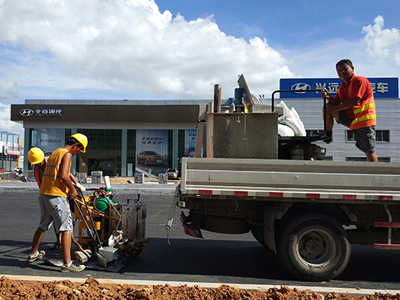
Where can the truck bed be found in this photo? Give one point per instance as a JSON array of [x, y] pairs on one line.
[[297, 180]]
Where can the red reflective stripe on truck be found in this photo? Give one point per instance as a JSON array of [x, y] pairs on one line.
[[349, 197], [205, 192], [241, 193], [387, 246], [385, 197], [309, 195], [275, 194], [387, 224]]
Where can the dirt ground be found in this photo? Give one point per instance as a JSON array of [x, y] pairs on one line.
[[93, 289]]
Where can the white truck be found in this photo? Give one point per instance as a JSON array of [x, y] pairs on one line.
[[308, 212]]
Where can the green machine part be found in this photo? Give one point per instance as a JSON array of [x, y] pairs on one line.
[[102, 204]]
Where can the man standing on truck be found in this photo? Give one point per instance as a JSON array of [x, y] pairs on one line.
[[353, 106], [53, 200]]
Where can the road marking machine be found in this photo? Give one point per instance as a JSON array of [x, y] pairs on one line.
[[110, 231]]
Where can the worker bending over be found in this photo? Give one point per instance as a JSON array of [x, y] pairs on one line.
[[53, 200]]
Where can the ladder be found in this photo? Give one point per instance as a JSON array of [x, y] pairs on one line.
[[389, 225]]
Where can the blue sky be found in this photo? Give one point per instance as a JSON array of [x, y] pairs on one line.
[[289, 24], [178, 49]]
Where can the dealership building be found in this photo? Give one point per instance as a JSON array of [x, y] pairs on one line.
[[129, 136], [123, 136]]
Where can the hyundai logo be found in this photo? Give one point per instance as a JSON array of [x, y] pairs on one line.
[[300, 88], [26, 112]]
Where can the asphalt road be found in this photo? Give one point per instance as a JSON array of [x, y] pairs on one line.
[[218, 258]]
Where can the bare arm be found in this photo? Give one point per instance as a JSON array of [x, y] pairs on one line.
[[73, 179], [345, 105]]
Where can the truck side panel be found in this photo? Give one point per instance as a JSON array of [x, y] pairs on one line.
[[348, 181]]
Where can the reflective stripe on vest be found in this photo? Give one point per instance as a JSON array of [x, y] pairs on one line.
[[52, 175], [364, 116]]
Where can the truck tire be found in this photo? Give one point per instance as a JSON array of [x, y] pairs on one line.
[[313, 247]]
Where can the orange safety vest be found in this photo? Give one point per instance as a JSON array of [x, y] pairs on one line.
[[37, 176], [52, 185], [364, 114], [39, 173]]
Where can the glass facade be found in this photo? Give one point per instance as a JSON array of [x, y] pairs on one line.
[[103, 152], [115, 151]]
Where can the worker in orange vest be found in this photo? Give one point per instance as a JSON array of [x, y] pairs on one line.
[[354, 107]]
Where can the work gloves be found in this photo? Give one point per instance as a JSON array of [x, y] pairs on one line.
[[79, 186]]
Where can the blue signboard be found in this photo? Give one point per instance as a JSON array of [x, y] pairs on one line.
[[382, 87]]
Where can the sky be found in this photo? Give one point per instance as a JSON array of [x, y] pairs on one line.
[[179, 49]]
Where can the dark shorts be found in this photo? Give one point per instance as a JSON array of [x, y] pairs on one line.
[[364, 137]]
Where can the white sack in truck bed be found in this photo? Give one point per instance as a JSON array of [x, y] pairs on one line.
[[291, 118]]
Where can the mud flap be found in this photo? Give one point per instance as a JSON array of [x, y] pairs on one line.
[[172, 210]]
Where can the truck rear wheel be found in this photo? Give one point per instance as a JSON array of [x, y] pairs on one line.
[[314, 247]]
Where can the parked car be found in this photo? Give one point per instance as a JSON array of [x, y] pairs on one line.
[[150, 158], [172, 173], [18, 171]]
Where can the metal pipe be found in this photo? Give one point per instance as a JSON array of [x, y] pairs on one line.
[[217, 98], [305, 91]]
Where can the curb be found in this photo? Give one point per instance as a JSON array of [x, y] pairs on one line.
[[207, 285]]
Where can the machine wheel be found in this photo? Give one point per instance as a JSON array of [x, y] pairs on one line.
[[133, 252], [313, 247]]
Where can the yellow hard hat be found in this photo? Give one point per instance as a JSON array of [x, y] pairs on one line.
[[81, 138], [35, 156]]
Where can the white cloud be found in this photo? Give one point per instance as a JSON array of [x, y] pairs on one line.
[[130, 50], [8, 92], [132, 46], [6, 124], [383, 43]]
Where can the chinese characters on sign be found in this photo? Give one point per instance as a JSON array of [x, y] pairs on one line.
[[332, 87], [51, 112], [152, 140], [48, 112], [381, 87]]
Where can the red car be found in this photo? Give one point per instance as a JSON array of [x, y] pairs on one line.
[[150, 158]]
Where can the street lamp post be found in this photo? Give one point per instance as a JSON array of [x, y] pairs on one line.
[[2, 152]]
